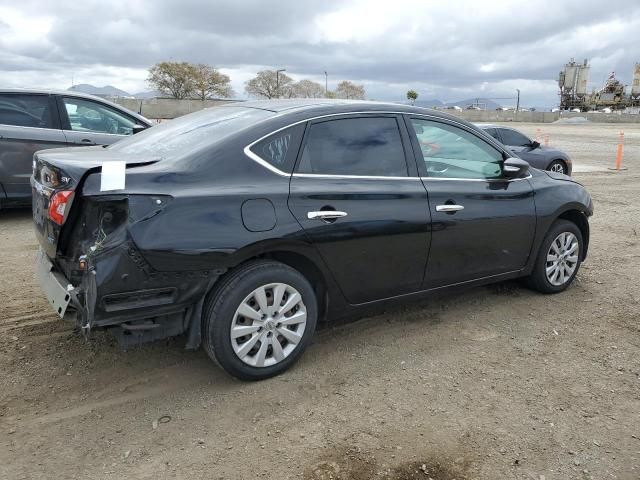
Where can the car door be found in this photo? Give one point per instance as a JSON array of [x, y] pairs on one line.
[[362, 206], [87, 122], [483, 223], [27, 124]]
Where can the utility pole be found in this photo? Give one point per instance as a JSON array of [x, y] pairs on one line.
[[278, 80], [326, 83], [518, 101]]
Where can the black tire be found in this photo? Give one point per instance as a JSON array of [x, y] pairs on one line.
[[538, 279], [223, 302], [556, 165]]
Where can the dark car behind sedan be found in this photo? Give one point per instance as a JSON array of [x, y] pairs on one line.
[[242, 226], [32, 120], [538, 156]]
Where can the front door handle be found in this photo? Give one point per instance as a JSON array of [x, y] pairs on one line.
[[449, 208], [86, 141], [325, 215]]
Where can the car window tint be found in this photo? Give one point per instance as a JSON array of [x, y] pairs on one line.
[[25, 110], [493, 132], [280, 149], [513, 138], [88, 116], [369, 146], [451, 152]]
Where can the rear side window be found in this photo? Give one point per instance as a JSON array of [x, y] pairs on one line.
[[281, 148], [24, 110], [365, 146]]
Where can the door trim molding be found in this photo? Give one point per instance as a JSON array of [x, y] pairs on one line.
[[256, 158]]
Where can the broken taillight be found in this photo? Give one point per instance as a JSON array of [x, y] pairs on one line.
[[59, 204]]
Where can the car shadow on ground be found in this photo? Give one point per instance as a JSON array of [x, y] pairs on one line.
[[15, 214]]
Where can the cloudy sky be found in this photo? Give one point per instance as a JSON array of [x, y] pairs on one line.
[[448, 50]]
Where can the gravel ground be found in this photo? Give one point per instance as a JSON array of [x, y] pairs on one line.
[[498, 382]]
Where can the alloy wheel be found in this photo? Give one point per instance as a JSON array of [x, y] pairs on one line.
[[562, 258], [557, 167], [268, 325]]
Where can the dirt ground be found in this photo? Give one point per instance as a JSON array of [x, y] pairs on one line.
[[498, 382]]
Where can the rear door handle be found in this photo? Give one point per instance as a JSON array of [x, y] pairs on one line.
[[449, 208], [326, 215]]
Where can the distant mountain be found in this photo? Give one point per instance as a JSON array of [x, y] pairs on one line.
[[429, 103], [482, 103], [106, 91], [149, 94]]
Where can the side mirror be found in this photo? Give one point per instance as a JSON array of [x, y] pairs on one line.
[[138, 128], [514, 168], [535, 144]]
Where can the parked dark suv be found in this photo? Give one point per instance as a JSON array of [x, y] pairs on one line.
[[243, 225], [32, 120]]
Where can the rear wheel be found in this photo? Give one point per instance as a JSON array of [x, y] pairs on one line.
[[558, 259], [558, 166], [260, 320]]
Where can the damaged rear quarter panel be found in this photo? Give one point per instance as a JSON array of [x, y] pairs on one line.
[[175, 243]]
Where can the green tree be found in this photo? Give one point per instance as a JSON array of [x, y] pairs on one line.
[[269, 84], [412, 95], [209, 82], [349, 90], [174, 79]]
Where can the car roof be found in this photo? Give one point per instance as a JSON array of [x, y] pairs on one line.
[[326, 106], [73, 93], [484, 126], [49, 91]]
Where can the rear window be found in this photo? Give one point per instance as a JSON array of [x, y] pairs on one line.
[[190, 134], [24, 110]]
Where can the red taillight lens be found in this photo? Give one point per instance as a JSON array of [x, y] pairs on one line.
[[59, 206]]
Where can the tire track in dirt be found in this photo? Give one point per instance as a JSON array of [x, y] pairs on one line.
[[170, 379]]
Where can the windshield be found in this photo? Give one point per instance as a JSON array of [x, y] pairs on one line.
[[191, 133]]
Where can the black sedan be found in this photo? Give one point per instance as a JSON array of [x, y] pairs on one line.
[[243, 226]]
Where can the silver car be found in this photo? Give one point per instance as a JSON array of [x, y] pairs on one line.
[[32, 120], [538, 156]]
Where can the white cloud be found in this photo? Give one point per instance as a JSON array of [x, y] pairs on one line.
[[449, 50]]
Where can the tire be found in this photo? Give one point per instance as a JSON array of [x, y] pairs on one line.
[[256, 355], [539, 279], [558, 166]]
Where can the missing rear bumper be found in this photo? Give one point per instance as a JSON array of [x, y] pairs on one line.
[[55, 287]]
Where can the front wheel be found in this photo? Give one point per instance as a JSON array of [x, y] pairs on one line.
[[558, 166], [260, 320], [558, 259]]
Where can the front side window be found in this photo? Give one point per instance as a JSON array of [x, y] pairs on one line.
[[88, 116], [451, 152], [281, 148], [364, 146], [513, 138], [23, 110]]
